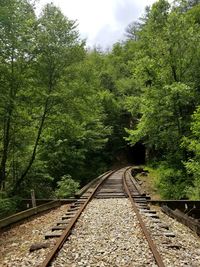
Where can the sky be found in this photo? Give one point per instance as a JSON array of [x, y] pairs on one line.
[[101, 22]]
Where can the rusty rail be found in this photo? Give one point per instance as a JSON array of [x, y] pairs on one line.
[[67, 231], [152, 246], [88, 185]]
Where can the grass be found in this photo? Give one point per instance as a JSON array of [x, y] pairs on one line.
[[150, 180]]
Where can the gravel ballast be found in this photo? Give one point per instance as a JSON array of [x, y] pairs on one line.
[[181, 250], [16, 242], [107, 234]]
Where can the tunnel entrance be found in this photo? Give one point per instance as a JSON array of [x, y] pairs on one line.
[[136, 154]]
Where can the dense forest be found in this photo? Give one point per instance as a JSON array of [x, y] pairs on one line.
[[68, 113]]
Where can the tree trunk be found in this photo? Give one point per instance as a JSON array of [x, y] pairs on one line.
[[6, 141], [21, 179], [7, 125], [174, 73], [41, 125]]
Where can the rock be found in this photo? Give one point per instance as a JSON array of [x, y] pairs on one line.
[[169, 234], [164, 226], [38, 246], [174, 246]]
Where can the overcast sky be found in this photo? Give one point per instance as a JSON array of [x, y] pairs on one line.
[[101, 22]]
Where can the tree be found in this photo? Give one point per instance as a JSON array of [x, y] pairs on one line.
[[58, 46], [164, 120], [191, 143], [17, 22], [76, 146], [166, 69], [132, 30], [167, 78]]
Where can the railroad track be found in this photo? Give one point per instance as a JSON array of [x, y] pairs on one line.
[[113, 184]]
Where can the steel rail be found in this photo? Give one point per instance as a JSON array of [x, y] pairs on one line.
[[67, 231], [151, 244]]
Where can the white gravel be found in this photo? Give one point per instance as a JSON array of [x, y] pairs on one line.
[[188, 253], [107, 234]]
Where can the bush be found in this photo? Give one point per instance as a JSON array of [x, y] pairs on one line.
[[37, 179], [8, 206], [66, 187], [171, 182], [193, 169]]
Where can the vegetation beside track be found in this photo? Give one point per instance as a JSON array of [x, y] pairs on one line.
[[69, 111], [156, 182], [149, 180]]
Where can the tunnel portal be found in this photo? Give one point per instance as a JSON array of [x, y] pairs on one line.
[[136, 154]]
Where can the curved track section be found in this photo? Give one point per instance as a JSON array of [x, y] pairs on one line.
[[134, 192], [113, 184], [112, 187]]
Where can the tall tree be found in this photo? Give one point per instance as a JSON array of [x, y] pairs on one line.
[[58, 46], [17, 22]]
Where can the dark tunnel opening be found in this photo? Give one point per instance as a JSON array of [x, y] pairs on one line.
[[136, 154]]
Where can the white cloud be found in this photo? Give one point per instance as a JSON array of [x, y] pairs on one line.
[[101, 21]]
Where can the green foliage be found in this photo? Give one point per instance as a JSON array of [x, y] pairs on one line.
[[8, 206], [163, 111], [193, 168], [64, 110], [192, 144], [51, 113], [171, 182], [167, 72], [67, 187], [168, 182]]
